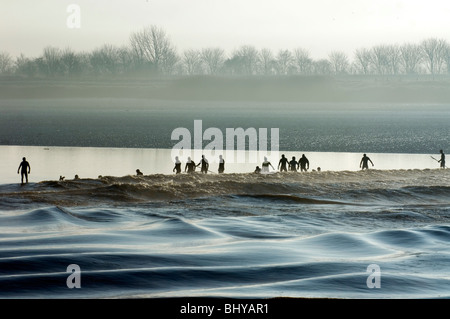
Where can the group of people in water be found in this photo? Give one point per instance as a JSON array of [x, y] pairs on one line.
[[294, 165], [283, 165], [191, 166]]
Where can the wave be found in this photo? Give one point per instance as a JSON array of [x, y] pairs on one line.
[[213, 263], [415, 187]]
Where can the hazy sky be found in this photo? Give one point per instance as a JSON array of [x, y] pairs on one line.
[[320, 26]]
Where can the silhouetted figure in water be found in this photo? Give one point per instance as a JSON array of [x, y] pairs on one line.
[[61, 178], [318, 169], [139, 173], [283, 161], [364, 164], [76, 177], [221, 164], [25, 169], [177, 167], [204, 165], [190, 166], [303, 163], [442, 160], [293, 164], [257, 170], [266, 164]]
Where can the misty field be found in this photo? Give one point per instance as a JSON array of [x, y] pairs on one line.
[[401, 89]]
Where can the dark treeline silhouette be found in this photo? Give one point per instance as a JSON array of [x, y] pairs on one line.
[[151, 52]]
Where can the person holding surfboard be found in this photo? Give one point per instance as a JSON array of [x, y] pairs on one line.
[[442, 160]]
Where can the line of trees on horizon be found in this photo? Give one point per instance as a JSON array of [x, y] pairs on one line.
[[151, 52]]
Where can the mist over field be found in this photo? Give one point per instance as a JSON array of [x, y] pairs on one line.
[[226, 88], [151, 66]]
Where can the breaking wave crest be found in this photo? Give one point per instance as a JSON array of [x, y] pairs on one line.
[[314, 188]]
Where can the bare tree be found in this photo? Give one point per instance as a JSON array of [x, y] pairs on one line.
[[152, 46], [339, 62], [192, 62], [302, 61], [249, 59], [411, 57], [393, 59], [25, 66], [284, 62], [170, 62], [322, 67], [125, 59], [362, 61], [72, 63], [380, 59], [233, 65], [267, 62], [51, 63], [213, 59], [447, 58], [6, 63], [434, 51], [105, 60]]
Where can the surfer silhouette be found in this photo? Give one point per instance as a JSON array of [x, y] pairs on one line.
[[257, 170], [177, 167], [364, 164], [139, 173], [221, 164], [303, 162], [190, 166], [204, 165], [25, 169], [283, 161], [293, 165], [266, 164], [442, 160]]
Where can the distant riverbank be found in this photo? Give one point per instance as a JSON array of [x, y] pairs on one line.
[[273, 89]]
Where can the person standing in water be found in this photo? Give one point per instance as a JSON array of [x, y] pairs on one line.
[[283, 161], [177, 167], [364, 164], [221, 164], [303, 162], [205, 165], [442, 160], [190, 166], [25, 169], [266, 164], [293, 165]]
